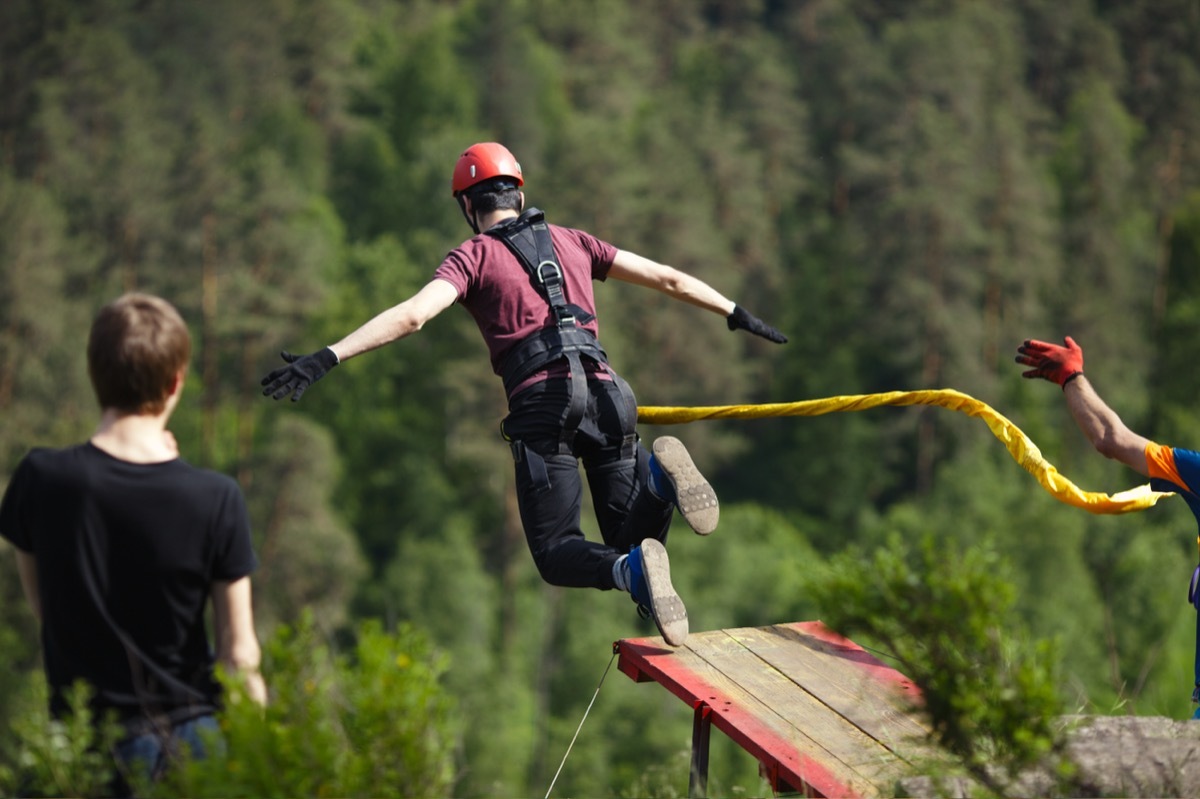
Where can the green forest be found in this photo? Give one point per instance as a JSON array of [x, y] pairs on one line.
[[906, 188]]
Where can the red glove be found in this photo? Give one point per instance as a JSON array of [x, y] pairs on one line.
[[1050, 361]]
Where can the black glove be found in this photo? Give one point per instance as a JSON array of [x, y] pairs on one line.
[[741, 318], [300, 373]]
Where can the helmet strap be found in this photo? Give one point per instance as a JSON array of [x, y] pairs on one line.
[[462, 204]]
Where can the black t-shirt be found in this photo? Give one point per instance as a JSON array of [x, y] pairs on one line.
[[126, 555]]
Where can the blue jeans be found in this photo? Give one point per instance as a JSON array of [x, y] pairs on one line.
[[148, 755]]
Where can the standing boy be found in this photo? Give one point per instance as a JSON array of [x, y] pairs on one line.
[[121, 544]]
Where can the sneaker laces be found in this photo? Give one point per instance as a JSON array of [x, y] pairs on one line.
[[644, 611]]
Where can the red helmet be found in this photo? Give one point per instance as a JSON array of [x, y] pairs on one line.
[[484, 161]]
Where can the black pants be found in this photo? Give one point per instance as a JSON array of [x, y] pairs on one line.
[[550, 491]]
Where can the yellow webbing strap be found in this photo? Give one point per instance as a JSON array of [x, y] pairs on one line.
[[1023, 450]]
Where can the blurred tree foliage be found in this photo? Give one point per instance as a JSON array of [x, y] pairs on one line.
[[907, 189]]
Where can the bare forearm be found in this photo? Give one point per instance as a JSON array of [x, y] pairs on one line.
[[1092, 415], [696, 292], [246, 662], [633, 268], [27, 571], [1103, 427], [398, 321], [392, 325], [237, 642]]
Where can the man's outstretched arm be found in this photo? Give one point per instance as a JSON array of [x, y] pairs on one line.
[[633, 268], [1063, 364], [398, 321], [391, 325], [1104, 428]]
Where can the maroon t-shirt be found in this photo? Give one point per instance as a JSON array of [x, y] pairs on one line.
[[496, 290]]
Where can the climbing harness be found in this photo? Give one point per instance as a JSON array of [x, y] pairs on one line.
[[528, 237], [1019, 445]]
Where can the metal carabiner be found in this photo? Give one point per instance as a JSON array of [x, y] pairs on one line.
[[557, 271]]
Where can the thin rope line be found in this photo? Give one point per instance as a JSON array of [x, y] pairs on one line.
[[881, 653], [581, 721]]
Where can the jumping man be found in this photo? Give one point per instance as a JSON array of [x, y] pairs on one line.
[[528, 285]]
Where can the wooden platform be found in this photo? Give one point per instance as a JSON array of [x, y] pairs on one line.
[[822, 716]]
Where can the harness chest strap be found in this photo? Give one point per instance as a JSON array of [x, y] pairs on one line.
[[528, 237]]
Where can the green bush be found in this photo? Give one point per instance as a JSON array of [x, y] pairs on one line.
[[373, 722], [946, 615], [376, 723], [61, 757]]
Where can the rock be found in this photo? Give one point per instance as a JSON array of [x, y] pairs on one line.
[[1113, 755]]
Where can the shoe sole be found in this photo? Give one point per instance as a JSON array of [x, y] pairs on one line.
[[695, 497], [665, 605]]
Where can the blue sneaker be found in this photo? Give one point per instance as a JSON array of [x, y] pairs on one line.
[[675, 479], [650, 585]]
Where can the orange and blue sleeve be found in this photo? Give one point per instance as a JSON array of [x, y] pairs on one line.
[[1160, 461], [1175, 469]]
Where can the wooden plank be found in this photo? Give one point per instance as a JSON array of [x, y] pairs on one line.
[[820, 713], [868, 693], [785, 705], [790, 757], [864, 660]]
